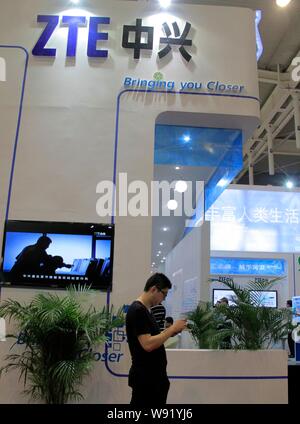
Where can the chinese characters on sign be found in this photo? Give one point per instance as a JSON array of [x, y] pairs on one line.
[[255, 215], [138, 45], [143, 36], [179, 40], [255, 220], [245, 266]]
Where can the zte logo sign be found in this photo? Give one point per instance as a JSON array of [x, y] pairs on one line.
[[2, 70], [72, 22]]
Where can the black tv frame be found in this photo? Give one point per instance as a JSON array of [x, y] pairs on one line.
[[57, 227]]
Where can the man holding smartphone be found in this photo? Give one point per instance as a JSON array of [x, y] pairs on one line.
[[148, 373]]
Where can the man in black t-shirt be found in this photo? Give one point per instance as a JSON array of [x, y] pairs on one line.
[[148, 373]]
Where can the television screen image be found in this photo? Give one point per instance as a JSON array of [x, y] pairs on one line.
[[57, 254], [267, 298], [218, 294]]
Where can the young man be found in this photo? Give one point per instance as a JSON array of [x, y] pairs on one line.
[[148, 373]]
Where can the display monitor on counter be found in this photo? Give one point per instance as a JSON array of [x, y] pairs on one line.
[[267, 298], [57, 254], [218, 294]]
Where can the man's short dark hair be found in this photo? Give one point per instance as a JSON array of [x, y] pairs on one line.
[[289, 303], [158, 280]]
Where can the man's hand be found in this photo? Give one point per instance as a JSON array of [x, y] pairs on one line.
[[178, 326], [150, 343]]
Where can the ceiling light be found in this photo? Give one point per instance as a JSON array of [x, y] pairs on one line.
[[165, 229], [159, 252], [282, 3], [162, 261], [181, 186], [165, 3], [289, 184], [223, 182], [172, 205], [186, 138], [177, 168], [259, 43], [161, 244], [75, 1]]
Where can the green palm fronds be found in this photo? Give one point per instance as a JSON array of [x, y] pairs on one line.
[[203, 326], [57, 334], [252, 326]]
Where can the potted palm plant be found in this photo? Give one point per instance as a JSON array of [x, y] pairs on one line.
[[203, 326], [57, 333], [252, 326]]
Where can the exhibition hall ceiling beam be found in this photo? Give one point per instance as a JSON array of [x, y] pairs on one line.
[[276, 113]]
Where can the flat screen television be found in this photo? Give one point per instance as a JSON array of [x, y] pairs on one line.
[[267, 298], [57, 254], [219, 293]]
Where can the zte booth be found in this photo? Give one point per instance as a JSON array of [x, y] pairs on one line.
[[122, 127]]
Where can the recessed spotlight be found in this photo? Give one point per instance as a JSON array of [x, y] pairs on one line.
[[164, 258], [181, 186], [172, 205], [161, 244], [159, 252], [177, 168], [289, 184], [282, 3], [162, 261], [165, 3], [186, 138], [165, 229]]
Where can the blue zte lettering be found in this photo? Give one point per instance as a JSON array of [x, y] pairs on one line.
[[39, 48], [94, 36], [73, 22]]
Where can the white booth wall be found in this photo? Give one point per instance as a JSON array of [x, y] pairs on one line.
[[76, 116], [75, 112]]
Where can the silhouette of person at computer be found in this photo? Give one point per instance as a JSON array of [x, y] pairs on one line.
[[53, 264], [32, 257]]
